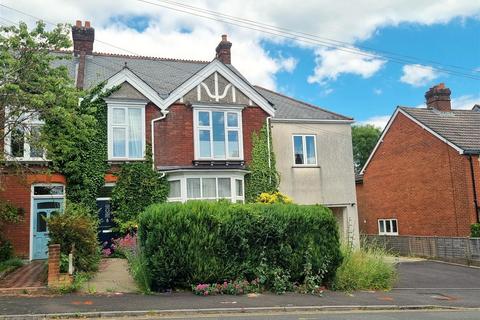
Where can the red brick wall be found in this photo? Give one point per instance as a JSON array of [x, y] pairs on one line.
[[17, 190], [419, 180], [174, 145]]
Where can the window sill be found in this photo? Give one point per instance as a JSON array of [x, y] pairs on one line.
[[305, 166], [32, 160], [125, 160]]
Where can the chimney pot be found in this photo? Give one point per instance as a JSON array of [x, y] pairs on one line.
[[87, 24], [223, 50], [438, 97], [83, 38], [78, 23]]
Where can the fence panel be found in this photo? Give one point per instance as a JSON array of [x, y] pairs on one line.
[[454, 249]]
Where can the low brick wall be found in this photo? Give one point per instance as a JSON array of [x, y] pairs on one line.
[[55, 278], [451, 249]]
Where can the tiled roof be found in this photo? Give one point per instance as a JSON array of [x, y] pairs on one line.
[[165, 75], [460, 127], [290, 108]]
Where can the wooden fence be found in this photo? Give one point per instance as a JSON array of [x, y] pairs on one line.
[[452, 249]]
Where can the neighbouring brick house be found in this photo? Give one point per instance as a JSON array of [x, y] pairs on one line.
[[199, 118], [423, 176]]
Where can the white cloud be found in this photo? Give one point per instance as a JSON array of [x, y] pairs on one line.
[[418, 75], [377, 121], [465, 102], [377, 91], [335, 20], [288, 64], [334, 62]]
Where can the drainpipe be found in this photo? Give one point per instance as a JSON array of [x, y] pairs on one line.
[[268, 147], [164, 114], [477, 210]]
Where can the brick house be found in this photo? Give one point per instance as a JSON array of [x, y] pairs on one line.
[[423, 176], [198, 117]]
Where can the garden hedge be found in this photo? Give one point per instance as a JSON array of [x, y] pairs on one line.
[[208, 242]]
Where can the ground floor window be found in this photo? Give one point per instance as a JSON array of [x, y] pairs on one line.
[[388, 227], [207, 186]]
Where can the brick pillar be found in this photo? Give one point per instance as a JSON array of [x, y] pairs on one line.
[[53, 264]]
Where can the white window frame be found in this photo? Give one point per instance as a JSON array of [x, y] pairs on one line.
[[125, 104], [304, 146], [197, 128], [208, 175], [385, 232], [30, 122]]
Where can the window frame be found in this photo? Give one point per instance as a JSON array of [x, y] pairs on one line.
[[304, 150], [197, 127], [31, 121], [385, 232], [126, 105], [184, 187]]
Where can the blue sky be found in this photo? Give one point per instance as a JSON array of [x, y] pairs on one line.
[[455, 43]]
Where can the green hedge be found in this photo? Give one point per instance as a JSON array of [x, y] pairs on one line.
[[208, 242], [475, 230]]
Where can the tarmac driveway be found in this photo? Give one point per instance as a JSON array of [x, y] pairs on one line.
[[437, 275]]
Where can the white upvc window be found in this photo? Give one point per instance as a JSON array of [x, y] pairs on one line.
[[388, 227], [22, 141], [126, 130], [218, 134], [304, 150], [206, 187]]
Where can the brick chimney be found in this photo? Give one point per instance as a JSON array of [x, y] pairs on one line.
[[83, 38], [223, 50], [438, 97]]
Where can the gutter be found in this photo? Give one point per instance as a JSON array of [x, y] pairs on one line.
[[472, 172], [312, 120], [164, 114]]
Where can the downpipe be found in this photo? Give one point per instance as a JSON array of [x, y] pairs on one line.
[[152, 127]]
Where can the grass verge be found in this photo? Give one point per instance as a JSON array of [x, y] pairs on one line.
[[365, 268]]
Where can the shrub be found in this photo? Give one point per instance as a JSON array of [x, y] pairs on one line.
[[213, 242], [364, 268], [475, 230], [273, 197], [10, 264], [6, 249], [76, 227]]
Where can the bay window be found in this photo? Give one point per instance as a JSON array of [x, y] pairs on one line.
[[304, 150], [126, 131], [218, 134]]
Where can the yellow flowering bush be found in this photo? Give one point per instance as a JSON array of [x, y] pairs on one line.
[[274, 197]]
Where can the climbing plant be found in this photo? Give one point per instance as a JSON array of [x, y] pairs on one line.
[[75, 137], [263, 176], [138, 186]]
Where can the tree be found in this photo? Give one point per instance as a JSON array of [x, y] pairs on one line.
[[30, 84], [364, 138]]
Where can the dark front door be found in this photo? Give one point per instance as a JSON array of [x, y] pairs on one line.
[[106, 226]]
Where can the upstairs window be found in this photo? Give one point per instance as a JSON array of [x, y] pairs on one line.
[[218, 135], [126, 132], [388, 227], [22, 141], [304, 150]]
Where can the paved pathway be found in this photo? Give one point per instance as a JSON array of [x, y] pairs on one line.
[[112, 276], [30, 277]]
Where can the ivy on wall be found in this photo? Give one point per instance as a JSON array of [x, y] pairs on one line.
[[262, 177], [75, 137], [137, 187]]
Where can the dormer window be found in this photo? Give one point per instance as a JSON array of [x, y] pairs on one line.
[[126, 130], [218, 134]]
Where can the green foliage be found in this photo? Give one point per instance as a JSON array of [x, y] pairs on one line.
[[364, 268], [6, 249], [10, 264], [30, 84], [475, 230], [9, 213], [137, 264], [262, 177], [75, 136], [138, 186], [210, 242], [76, 228], [364, 139]]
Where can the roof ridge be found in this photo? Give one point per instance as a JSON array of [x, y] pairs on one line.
[[306, 104], [108, 54]]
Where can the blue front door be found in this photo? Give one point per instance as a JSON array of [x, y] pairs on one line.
[[42, 210]]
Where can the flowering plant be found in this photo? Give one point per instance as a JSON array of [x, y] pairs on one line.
[[231, 287], [274, 197]]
